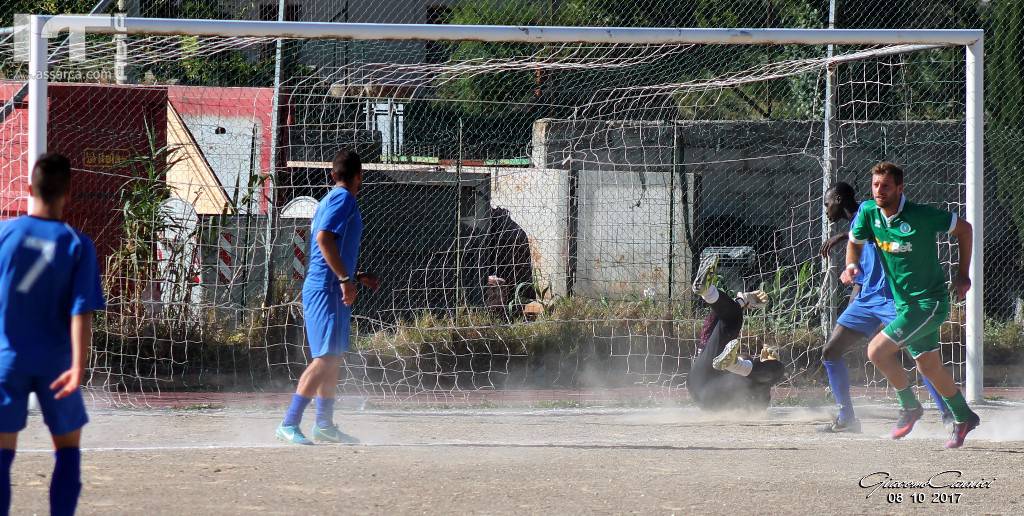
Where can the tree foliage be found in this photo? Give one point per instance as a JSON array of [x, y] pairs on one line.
[[1004, 68], [43, 7], [525, 89], [196, 68]]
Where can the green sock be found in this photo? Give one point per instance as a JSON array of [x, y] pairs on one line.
[[958, 405], [907, 398]]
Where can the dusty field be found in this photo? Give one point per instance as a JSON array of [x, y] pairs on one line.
[[558, 461]]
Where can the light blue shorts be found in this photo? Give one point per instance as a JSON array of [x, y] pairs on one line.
[[867, 316], [327, 319]]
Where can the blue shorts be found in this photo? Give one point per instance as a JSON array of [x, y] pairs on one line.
[[867, 316], [327, 320], [61, 416]]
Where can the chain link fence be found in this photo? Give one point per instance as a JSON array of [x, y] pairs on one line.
[[1003, 21]]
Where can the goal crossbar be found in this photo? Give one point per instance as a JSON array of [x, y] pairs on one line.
[[505, 33], [42, 27]]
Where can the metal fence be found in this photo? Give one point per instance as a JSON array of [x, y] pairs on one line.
[[1003, 21], [475, 181]]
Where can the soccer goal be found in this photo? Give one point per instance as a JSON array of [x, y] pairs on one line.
[[536, 199]]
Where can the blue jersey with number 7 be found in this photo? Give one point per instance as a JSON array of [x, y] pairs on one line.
[[48, 273]]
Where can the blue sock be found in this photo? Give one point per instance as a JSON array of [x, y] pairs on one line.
[[293, 416], [936, 397], [66, 483], [839, 382], [6, 459], [324, 412]]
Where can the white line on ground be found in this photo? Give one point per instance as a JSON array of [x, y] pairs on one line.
[[164, 448], [487, 444]]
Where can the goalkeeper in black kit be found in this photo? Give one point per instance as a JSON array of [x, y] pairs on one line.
[[721, 378]]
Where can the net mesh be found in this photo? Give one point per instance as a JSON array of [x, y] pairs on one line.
[[536, 212]]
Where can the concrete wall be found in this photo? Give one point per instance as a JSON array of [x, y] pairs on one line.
[[536, 199], [643, 187], [760, 172], [629, 228]]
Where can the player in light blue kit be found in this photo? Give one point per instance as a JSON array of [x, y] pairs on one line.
[[49, 288], [871, 307], [327, 296]]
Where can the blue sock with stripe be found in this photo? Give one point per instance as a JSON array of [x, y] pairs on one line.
[[940, 404], [293, 416], [66, 484], [839, 382], [6, 459]]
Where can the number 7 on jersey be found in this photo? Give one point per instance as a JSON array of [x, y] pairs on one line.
[[46, 250]]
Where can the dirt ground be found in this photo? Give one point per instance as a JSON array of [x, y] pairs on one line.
[[555, 461]]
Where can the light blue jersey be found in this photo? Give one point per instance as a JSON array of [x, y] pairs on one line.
[[48, 273], [339, 214], [327, 319]]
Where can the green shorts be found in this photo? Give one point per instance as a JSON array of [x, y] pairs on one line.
[[916, 327]]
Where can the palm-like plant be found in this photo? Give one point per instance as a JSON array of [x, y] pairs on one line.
[[133, 266]]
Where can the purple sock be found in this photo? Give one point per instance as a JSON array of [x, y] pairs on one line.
[[293, 416]]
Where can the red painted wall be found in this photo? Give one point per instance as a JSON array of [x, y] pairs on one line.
[[13, 149], [100, 126], [97, 127]]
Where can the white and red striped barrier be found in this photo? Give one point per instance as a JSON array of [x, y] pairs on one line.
[[225, 256]]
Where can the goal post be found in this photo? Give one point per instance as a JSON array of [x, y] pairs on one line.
[[975, 122], [898, 41]]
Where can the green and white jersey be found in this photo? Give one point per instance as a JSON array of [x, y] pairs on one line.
[[908, 247]]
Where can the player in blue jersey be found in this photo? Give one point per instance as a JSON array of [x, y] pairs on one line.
[[49, 288], [327, 296], [871, 307]]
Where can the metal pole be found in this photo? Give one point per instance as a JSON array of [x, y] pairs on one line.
[[275, 122], [572, 226], [458, 225], [37, 110], [828, 170], [391, 132], [121, 48], [37, 106], [348, 47], [672, 208], [976, 216]]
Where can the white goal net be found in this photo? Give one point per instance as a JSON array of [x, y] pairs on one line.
[[536, 211]]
